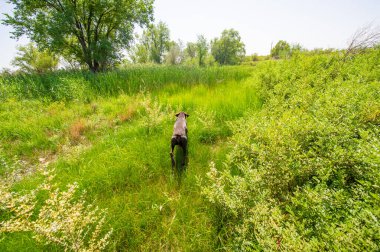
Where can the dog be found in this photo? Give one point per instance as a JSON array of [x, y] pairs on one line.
[[179, 136]]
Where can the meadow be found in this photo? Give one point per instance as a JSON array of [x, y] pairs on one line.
[[283, 155]]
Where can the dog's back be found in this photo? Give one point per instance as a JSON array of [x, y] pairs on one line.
[[180, 127]]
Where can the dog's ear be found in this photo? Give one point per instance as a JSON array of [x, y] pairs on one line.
[[177, 115], [187, 115]]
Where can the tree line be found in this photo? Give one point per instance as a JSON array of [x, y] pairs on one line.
[[154, 45], [95, 34]]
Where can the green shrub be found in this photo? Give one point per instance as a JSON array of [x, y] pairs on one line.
[[303, 173]]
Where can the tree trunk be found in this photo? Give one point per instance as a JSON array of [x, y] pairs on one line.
[[93, 67], [96, 66]]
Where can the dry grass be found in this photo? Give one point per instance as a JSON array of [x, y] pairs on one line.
[[76, 130], [128, 114]]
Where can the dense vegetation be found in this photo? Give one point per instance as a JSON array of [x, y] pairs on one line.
[[83, 85], [293, 147], [303, 172], [115, 144]]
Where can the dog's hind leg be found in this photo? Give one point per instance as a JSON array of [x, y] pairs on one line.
[[184, 148], [184, 156], [172, 155]]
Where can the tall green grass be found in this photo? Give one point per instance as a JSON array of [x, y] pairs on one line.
[[64, 85]]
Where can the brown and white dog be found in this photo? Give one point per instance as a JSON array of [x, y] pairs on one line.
[[179, 136]]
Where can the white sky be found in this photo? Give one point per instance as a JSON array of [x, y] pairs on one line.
[[317, 23]]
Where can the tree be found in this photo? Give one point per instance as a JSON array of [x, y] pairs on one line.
[[202, 50], [157, 39], [153, 44], [190, 53], [228, 49], [197, 53], [139, 54], [92, 31], [281, 50], [191, 50], [364, 38], [29, 59], [297, 48], [175, 54]]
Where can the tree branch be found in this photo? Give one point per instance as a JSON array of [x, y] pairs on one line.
[[363, 38]]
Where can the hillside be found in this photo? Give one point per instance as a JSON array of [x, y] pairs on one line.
[[293, 147]]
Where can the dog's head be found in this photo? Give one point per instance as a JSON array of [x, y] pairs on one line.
[[182, 115]]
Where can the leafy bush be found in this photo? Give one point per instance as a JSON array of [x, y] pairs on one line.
[[63, 219], [30, 59], [303, 173]]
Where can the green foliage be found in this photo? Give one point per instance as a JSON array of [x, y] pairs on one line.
[[139, 54], [303, 173], [197, 54], [191, 50], [29, 59], [228, 49], [254, 59], [202, 50], [281, 50], [175, 55], [155, 47], [92, 32], [153, 44], [296, 48], [131, 80]]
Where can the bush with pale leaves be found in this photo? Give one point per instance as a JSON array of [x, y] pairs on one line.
[[64, 218]]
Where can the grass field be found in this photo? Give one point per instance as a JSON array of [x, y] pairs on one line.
[[117, 149], [277, 132]]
